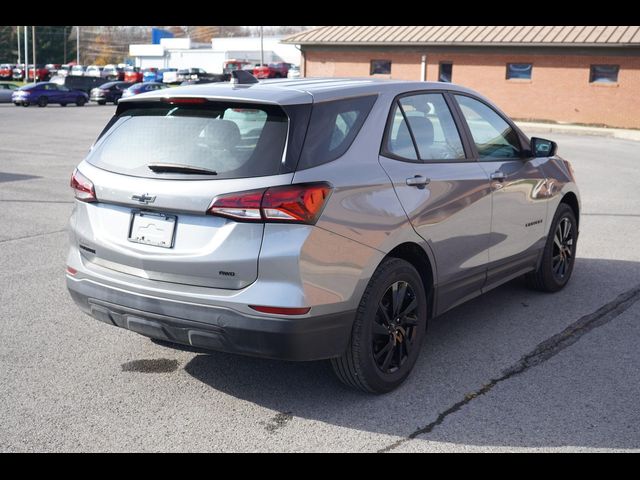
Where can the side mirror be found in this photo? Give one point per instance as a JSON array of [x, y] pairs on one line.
[[543, 148]]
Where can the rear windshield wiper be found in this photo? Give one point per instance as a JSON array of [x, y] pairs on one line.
[[175, 168]]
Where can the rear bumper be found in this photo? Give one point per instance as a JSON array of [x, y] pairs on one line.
[[215, 328]]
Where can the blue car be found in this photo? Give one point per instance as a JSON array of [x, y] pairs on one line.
[[44, 93], [142, 87], [155, 75]]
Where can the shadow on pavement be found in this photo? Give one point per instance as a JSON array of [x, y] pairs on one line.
[[465, 349]]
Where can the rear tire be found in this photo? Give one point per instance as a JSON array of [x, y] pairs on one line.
[[558, 257], [388, 330], [102, 102], [63, 104]]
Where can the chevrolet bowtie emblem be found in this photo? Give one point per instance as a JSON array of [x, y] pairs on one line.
[[144, 198]]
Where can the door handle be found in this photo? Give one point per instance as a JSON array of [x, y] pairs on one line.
[[499, 176], [418, 181]]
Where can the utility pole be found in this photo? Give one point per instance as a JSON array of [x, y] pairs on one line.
[[33, 44], [18, 38], [261, 46], [26, 57], [78, 45]]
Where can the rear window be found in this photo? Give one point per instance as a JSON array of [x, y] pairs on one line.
[[234, 140], [332, 129]]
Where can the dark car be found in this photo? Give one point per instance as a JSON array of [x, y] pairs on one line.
[[142, 87], [109, 92], [43, 93], [75, 82], [196, 74]]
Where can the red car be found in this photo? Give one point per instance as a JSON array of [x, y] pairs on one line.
[[42, 73], [133, 75], [273, 70], [6, 71]]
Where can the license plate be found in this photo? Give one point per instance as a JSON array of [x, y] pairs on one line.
[[155, 229]]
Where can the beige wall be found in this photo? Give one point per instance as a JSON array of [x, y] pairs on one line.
[[559, 89]]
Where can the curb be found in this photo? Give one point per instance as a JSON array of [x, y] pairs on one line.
[[618, 133]]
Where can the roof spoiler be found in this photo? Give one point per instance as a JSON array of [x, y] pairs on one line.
[[242, 77]]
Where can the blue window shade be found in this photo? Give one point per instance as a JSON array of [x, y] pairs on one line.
[[519, 71]]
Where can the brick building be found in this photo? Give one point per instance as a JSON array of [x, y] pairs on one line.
[[577, 74]]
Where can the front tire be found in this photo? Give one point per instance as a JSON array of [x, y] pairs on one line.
[[559, 253], [388, 330]]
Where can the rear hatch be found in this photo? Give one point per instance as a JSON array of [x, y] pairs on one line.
[[155, 173]]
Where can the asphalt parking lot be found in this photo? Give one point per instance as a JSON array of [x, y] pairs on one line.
[[512, 370]]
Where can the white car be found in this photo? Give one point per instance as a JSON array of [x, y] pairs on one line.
[[77, 71], [93, 71], [294, 72]]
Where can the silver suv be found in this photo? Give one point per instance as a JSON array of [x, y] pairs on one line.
[[313, 219]]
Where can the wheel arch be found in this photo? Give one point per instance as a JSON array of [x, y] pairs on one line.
[[571, 199], [418, 257]]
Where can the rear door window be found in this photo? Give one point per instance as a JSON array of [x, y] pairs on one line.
[[233, 140]]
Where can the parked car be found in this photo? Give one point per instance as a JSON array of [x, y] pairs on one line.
[[6, 71], [132, 74], [6, 92], [44, 93], [305, 221], [63, 71], [113, 72], [53, 68], [196, 74], [18, 73], [294, 72], [142, 87], [149, 74], [109, 92], [272, 70], [42, 74], [84, 84], [93, 71], [161, 72], [77, 71]]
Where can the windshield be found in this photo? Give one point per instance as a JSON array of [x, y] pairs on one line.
[[234, 140]]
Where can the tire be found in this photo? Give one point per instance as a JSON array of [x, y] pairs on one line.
[[16, 104], [25, 104], [370, 362], [102, 102], [80, 101], [63, 104], [558, 257], [43, 102]]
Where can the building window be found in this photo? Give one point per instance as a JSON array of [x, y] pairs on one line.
[[446, 72], [604, 73], [520, 71], [380, 67]]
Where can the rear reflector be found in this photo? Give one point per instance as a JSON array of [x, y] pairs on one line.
[[301, 203], [82, 187], [281, 310], [71, 270]]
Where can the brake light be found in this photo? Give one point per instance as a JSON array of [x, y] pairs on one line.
[[71, 271], [281, 310], [82, 187], [302, 203], [185, 100]]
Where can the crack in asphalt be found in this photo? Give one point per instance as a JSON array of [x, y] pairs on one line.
[[32, 236], [538, 355]]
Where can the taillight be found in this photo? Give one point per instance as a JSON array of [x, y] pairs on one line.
[[82, 187], [281, 310], [302, 203]]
